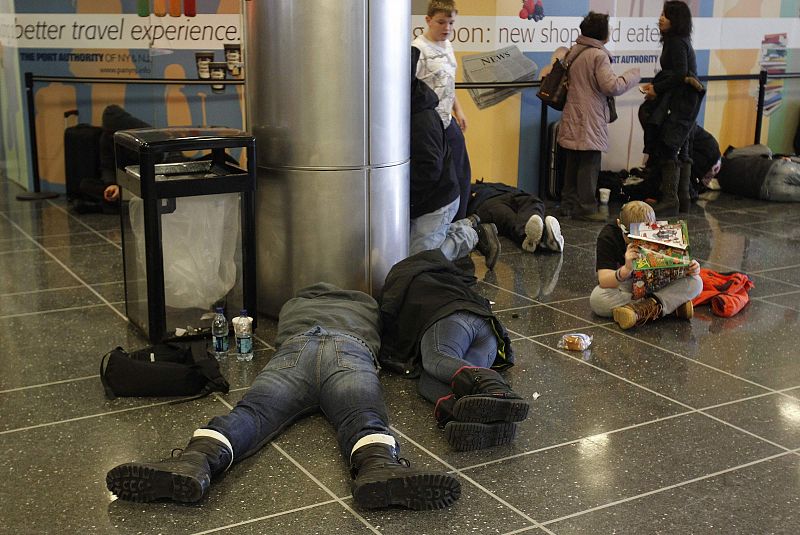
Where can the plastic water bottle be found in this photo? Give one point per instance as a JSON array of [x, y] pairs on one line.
[[219, 334], [243, 327]]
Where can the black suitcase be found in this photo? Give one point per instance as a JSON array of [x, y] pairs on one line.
[[555, 162], [81, 154]]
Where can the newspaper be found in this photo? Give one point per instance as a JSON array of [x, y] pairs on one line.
[[663, 255], [503, 65]]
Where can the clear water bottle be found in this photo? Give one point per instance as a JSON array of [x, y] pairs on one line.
[[243, 327], [219, 334]]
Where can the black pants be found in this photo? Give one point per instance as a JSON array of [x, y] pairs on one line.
[[458, 149], [581, 169], [509, 212]]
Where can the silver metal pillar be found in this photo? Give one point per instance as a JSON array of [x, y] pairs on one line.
[[328, 102]]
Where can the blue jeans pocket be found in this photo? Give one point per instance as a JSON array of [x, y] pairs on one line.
[[353, 355], [288, 354]]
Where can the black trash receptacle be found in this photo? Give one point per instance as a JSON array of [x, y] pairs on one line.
[[188, 226]]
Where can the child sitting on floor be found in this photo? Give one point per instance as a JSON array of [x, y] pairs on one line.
[[613, 295]]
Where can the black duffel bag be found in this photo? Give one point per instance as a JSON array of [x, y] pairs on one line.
[[168, 369]]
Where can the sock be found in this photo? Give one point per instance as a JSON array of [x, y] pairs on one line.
[[374, 438], [219, 437]]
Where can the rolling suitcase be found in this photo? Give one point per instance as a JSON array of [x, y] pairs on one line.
[[81, 153], [555, 162]]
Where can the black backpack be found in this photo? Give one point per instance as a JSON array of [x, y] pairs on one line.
[[168, 369]]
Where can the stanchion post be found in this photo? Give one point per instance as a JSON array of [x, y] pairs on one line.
[[36, 194]]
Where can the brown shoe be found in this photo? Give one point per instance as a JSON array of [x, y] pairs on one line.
[[685, 311], [637, 313]]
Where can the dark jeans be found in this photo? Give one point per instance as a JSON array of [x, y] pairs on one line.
[[460, 339], [319, 370], [458, 149], [581, 169], [510, 212]]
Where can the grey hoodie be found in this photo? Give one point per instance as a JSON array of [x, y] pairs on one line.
[[334, 309]]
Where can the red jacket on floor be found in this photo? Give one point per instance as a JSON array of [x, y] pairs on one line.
[[726, 291]]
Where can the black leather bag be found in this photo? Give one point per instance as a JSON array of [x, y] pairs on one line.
[[169, 369], [554, 87], [612, 109]]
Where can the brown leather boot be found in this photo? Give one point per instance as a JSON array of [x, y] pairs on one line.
[[637, 313]]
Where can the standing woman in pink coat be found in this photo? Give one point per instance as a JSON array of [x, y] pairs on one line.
[[583, 133]]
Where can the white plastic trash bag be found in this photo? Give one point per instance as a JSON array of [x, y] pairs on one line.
[[199, 243]]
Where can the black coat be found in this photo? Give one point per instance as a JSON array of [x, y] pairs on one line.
[[433, 178], [668, 119], [419, 291]]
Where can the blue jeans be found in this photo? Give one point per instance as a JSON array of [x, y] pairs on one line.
[[434, 230], [319, 370], [458, 340], [782, 183]]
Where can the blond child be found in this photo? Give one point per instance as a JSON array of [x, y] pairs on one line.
[[613, 296]]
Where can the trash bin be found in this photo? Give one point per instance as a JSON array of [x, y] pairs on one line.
[[188, 231]]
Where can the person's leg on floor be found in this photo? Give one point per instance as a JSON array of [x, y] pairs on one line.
[[782, 183], [501, 211], [460, 349], [429, 231], [351, 398], [435, 231], [603, 301], [282, 393]]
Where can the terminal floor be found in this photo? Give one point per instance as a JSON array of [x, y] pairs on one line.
[[676, 427]]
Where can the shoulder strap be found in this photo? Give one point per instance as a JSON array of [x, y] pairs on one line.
[[581, 51]]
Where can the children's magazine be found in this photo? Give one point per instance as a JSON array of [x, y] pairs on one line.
[[663, 255]]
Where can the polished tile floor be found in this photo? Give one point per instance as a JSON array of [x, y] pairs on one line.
[[673, 428]]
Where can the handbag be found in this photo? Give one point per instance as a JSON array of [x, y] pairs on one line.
[[554, 86], [168, 369], [612, 109]]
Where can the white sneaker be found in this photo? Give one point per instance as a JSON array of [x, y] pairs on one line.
[[553, 239], [533, 233]]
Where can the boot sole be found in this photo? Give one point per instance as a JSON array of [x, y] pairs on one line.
[[142, 483], [414, 491], [474, 436], [485, 409]]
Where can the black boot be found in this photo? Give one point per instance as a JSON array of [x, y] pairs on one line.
[[668, 205], [381, 479], [684, 195], [488, 240], [482, 395], [185, 478], [471, 436]]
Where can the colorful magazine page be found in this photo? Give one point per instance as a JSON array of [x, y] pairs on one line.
[[670, 234], [663, 255]]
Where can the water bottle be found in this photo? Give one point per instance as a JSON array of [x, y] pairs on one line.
[[243, 327], [219, 334]]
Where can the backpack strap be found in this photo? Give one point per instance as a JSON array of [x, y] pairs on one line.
[[103, 364]]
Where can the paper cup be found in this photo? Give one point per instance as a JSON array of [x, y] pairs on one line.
[[605, 194], [217, 69], [203, 59]]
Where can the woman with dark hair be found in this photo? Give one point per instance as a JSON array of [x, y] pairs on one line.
[[583, 134], [671, 105]]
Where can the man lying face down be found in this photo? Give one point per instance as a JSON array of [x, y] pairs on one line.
[[328, 340]]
